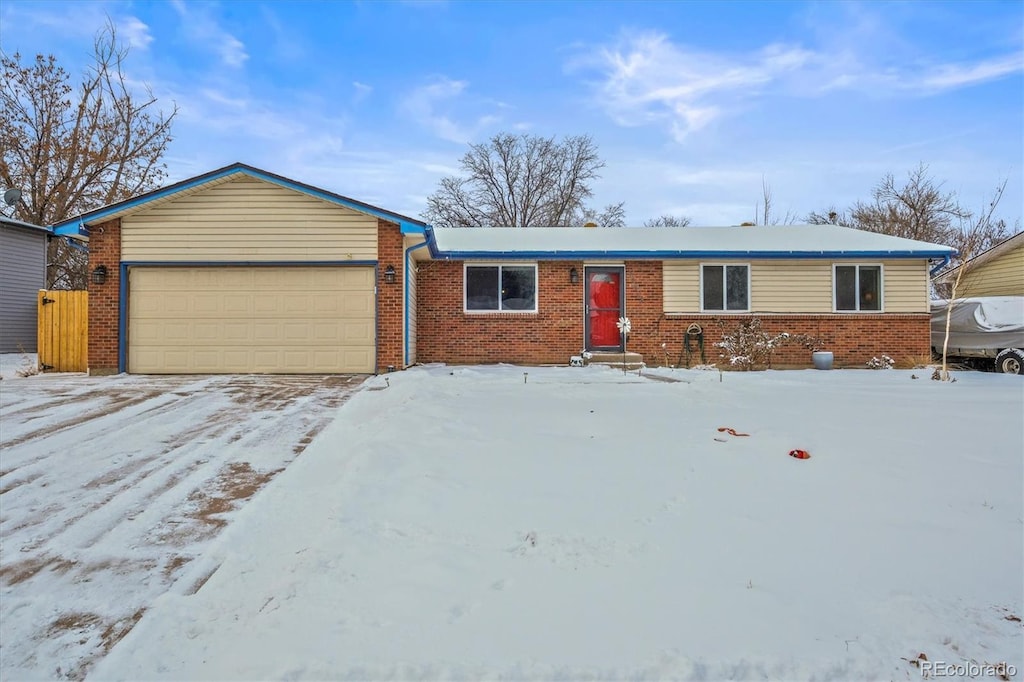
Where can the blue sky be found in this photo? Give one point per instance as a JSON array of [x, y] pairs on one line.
[[692, 104]]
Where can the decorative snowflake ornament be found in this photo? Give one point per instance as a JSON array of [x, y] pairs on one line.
[[624, 325]]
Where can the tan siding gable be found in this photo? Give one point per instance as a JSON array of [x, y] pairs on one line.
[[1002, 276], [798, 286], [247, 219]]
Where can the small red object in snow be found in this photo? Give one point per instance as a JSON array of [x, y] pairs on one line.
[[731, 432], [800, 454]]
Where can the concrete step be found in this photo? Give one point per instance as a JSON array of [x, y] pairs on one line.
[[631, 360]]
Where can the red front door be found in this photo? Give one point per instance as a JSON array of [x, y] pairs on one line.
[[604, 308]]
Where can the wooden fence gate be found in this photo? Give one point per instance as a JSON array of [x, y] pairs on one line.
[[63, 332]]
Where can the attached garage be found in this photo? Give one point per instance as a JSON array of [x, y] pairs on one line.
[[243, 271], [291, 320]]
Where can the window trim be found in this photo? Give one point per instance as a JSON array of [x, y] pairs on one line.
[[500, 265], [881, 288], [725, 290]]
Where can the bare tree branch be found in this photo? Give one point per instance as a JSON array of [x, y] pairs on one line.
[[71, 150], [668, 221], [522, 180]]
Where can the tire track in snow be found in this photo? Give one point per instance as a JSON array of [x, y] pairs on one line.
[[96, 490]]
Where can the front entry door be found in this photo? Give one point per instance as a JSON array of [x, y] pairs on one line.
[[604, 306]]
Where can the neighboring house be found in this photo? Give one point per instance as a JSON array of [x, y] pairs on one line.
[[22, 275], [240, 270], [998, 271]]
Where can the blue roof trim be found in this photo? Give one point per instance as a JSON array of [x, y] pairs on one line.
[[407, 225], [669, 255]]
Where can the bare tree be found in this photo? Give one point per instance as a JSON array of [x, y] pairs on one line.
[[613, 215], [667, 220], [975, 238], [520, 181], [920, 209], [71, 150], [830, 216], [764, 212]]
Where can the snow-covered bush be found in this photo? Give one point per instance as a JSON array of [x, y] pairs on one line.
[[885, 362], [749, 344]]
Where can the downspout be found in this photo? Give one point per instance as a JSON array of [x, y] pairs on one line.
[[405, 283], [944, 263]]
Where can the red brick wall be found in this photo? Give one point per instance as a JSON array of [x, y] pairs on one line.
[[853, 338], [389, 297], [446, 334], [104, 249]]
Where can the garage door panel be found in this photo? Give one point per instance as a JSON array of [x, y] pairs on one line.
[[238, 320]]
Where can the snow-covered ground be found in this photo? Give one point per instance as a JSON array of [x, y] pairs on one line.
[[521, 523], [112, 487], [12, 363]]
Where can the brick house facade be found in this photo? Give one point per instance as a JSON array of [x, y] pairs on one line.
[[556, 331], [380, 317]]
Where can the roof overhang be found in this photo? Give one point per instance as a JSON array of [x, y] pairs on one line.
[[1000, 249], [11, 222]]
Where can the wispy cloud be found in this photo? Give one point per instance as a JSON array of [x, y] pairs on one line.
[[432, 106], [203, 29], [362, 91], [948, 76], [135, 31], [646, 78]]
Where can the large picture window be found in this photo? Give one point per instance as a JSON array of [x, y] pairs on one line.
[[498, 288], [725, 288], [858, 288]]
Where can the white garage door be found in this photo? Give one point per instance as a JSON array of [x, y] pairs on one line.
[[224, 320]]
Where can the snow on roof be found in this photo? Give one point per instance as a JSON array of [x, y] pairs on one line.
[[794, 241]]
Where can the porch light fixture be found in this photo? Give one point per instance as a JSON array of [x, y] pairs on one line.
[[99, 274], [574, 276], [389, 274]]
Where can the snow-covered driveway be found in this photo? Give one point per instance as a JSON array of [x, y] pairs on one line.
[[111, 486], [555, 523]]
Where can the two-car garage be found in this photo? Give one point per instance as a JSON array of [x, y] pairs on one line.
[[241, 319], [242, 271]]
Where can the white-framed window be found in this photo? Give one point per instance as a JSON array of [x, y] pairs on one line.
[[857, 288], [725, 287], [495, 288]]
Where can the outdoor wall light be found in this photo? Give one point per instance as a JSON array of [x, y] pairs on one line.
[[389, 274], [574, 276], [99, 274]]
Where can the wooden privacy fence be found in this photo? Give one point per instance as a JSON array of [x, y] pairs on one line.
[[63, 332]]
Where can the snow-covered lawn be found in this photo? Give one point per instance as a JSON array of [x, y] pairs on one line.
[[519, 523], [111, 487]]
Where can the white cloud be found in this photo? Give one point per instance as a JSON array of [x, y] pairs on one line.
[[203, 30], [646, 78], [362, 91], [136, 32], [948, 76], [432, 107]]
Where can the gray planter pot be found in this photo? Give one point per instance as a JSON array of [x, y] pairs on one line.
[[822, 359]]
